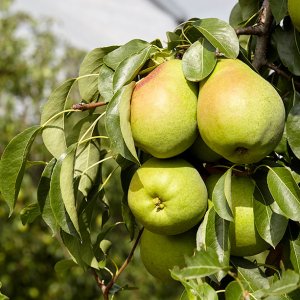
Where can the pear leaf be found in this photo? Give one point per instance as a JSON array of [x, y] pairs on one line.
[[270, 225], [199, 60], [285, 191], [88, 73], [294, 241], [105, 82], [279, 9], [52, 120], [293, 128], [221, 196], [233, 291], [129, 68], [13, 163], [113, 124], [220, 34], [114, 58], [203, 263], [43, 197]]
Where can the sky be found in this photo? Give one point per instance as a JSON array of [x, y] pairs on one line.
[[88, 24]]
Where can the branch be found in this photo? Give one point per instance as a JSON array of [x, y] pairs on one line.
[[106, 288], [266, 19], [85, 106]]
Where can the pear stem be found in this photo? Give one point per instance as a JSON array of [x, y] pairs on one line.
[[86, 106]]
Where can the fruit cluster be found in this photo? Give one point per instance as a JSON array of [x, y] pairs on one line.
[[233, 115]]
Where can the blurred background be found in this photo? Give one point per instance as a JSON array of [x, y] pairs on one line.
[[43, 43]]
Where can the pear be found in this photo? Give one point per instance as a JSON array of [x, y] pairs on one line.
[[240, 115], [164, 111], [294, 12]]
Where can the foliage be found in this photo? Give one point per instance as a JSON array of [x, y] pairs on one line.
[[74, 195]]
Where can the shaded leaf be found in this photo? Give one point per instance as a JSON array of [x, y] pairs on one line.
[[221, 196], [53, 133], [114, 58], [285, 191], [88, 86], [62, 267], [13, 163], [29, 213], [113, 123], [199, 60], [248, 8], [279, 9], [293, 129], [129, 68], [43, 197], [294, 243], [220, 34], [288, 48]]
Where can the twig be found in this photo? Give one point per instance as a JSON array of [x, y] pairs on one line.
[[106, 288], [86, 106], [266, 19]]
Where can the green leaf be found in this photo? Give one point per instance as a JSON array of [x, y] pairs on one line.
[[56, 199], [113, 123], [43, 197], [270, 225], [293, 129], [114, 58], [220, 34], [29, 213], [279, 9], [2, 297], [199, 60], [129, 68], [67, 187], [203, 263], [288, 48], [173, 40], [216, 237], [233, 291], [294, 243], [53, 133], [288, 282], [221, 196], [62, 267], [89, 69], [248, 8], [105, 82], [285, 191], [13, 163]]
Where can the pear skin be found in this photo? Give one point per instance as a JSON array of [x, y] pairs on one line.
[[164, 111], [240, 115], [294, 12]]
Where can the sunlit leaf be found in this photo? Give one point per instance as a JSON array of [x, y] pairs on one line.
[[233, 291], [114, 58], [221, 196], [293, 129], [44, 198], [129, 68], [270, 225], [113, 124], [220, 34], [53, 133], [13, 163], [89, 69], [67, 186], [285, 191], [105, 83], [203, 263], [199, 60]]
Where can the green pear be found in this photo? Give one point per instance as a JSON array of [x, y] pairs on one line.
[[167, 196], [160, 253], [164, 111], [243, 235], [294, 12], [240, 115]]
